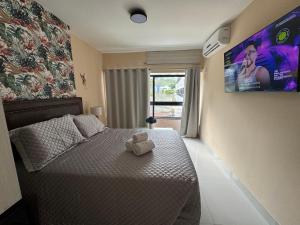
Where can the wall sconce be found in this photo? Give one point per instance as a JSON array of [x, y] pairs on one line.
[[83, 78], [97, 111]]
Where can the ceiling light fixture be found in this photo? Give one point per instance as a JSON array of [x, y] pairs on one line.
[[138, 15]]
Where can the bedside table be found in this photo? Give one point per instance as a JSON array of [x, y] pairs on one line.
[[16, 215]]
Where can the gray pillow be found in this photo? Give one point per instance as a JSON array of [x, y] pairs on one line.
[[40, 143], [88, 125]]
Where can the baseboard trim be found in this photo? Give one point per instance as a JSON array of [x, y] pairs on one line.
[[259, 207]]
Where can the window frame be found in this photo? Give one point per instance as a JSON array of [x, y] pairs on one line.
[[154, 103]]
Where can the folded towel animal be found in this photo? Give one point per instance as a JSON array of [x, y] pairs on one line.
[[141, 148], [139, 137]]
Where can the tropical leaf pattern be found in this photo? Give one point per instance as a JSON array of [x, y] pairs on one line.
[[35, 53]]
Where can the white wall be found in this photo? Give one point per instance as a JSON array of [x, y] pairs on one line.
[[9, 185], [256, 134]]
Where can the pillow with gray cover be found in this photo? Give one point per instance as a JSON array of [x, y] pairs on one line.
[[88, 125], [40, 143]]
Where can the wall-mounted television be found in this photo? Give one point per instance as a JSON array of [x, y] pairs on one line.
[[268, 60]]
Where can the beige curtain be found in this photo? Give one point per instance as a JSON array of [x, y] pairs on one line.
[[190, 112], [127, 97]]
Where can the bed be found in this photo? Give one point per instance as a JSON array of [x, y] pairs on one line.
[[98, 182]]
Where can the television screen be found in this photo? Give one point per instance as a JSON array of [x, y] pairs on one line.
[[268, 60]]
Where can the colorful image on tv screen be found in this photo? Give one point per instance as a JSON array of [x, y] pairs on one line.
[[268, 60]]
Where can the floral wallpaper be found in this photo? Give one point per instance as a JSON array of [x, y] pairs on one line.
[[35, 53]]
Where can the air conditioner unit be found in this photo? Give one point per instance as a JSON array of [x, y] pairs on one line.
[[217, 41]]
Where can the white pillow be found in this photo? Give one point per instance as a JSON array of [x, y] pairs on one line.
[[88, 125]]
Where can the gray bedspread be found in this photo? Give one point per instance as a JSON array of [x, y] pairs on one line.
[[98, 183]]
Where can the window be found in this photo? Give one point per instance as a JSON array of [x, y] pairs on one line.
[[166, 95]]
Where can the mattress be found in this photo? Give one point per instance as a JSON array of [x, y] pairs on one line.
[[99, 183]]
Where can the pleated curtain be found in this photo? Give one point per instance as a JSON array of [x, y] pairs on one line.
[[127, 97], [190, 112]]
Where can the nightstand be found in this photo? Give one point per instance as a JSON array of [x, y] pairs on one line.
[[16, 215]]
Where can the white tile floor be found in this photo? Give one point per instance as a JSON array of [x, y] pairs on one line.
[[222, 202]]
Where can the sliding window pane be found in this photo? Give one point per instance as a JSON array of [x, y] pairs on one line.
[[167, 111], [169, 89]]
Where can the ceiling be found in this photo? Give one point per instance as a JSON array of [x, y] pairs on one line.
[[171, 25]]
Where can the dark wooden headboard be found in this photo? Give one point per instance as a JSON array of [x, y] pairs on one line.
[[22, 113]]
